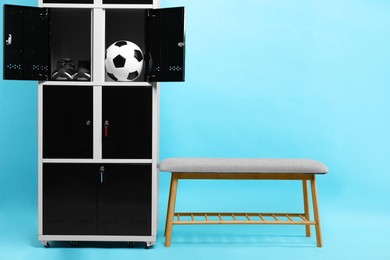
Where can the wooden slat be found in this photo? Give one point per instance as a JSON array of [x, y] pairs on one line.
[[242, 214], [261, 217], [249, 220], [189, 222]]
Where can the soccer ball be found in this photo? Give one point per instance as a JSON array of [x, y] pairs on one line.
[[124, 61]]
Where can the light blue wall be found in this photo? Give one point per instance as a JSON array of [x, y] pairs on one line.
[[264, 78], [287, 79]]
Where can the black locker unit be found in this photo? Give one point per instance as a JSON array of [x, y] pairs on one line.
[[98, 139]]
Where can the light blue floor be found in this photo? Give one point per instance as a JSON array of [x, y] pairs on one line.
[[349, 232]]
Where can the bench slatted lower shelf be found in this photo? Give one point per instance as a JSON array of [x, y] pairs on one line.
[[202, 218]]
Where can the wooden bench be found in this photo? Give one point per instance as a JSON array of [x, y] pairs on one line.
[[304, 170]]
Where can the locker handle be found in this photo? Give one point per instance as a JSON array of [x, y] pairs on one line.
[[9, 40], [106, 124]]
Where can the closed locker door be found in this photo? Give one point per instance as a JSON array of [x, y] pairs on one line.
[[127, 122], [69, 199], [67, 122], [124, 199]]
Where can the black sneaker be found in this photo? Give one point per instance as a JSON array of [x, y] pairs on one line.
[[64, 70], [83, 71]]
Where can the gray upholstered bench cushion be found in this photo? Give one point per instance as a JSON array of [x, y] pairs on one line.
[[236, 165]]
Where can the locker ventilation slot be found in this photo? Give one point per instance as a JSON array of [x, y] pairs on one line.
[[56, 221], [138, 222], [154, 69], [175, 68], [14, 66], [85, 221], [40, 67], [110, 222]]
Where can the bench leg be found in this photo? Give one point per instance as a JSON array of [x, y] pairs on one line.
[[306, 206], [316, 211], [171, 210]]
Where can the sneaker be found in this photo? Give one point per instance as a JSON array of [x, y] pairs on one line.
[[83, 71], [64, 70]]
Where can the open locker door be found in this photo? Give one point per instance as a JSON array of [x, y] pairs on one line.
[[165, 44], [26, 43]]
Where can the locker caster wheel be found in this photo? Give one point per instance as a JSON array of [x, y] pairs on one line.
[[148, 245], [46, 244], [131, 244], [73, 243]]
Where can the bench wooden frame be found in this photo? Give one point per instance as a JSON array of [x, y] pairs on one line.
[[191, 218]]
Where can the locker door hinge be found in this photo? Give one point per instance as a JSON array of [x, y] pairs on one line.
[[151, 78]]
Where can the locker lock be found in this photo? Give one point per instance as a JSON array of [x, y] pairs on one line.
[[106, 124], [180, 44], [101, 171]]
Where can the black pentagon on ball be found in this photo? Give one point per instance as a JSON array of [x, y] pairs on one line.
[[119, 61], [112, 76], [132, 75], [138, 55], [120, 43]]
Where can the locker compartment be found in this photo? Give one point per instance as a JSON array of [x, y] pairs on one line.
[[69, 199], [127, 122], [37, 38], [70, 39], [67, 121], [126, 25], [159, 34], [97, 199]]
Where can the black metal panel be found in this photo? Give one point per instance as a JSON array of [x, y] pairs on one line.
[[70, 199], [69, 1], [165, 44], [26, 43], [127, 122], [127, 1], [67, 122], [125, 200]]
